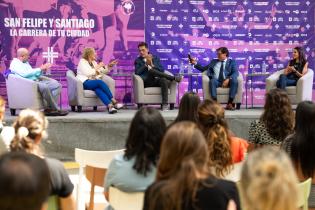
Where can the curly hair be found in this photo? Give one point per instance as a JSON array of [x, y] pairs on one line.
[[87, 52], [268, 181], [214, 127], [278, 116]]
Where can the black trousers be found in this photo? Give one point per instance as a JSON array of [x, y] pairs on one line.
[[156, 78]]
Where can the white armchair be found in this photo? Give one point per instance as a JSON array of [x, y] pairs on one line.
[[223, 93], [301, 92], [152, 95], [23, 93], [79, 97]]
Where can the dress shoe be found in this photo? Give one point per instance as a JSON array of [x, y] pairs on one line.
[[165, 107], [112, 110], [118, 106]]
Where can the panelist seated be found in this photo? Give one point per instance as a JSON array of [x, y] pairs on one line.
[[89, 72], [49, 88], [150, 69], [296, 68], [222, 72]]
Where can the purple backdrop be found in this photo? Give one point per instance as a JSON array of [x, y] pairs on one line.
[[254, 31]]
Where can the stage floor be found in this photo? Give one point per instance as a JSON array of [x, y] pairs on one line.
[[102, 131]]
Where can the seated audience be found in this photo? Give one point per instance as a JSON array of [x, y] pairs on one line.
[[188, 106], [150, 69], [90, 73], [49, 88], [268, 181], [301, 146], [296, 68], [30, 128], [24, 182], [6, 132], [135, 170], [183, 179], [224, 149], [275, 123]]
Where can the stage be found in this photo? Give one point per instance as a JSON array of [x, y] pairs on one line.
[[102, 131]]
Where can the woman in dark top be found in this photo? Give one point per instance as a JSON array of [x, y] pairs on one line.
[[301, 146], [184, 181], [30, 128], [297, 68]]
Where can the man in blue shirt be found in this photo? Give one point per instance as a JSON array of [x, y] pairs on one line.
[[149, 68], [49, 88], [222, 72]]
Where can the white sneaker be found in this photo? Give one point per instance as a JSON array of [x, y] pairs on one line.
[[112, 110], [118, 106], [165, 107]]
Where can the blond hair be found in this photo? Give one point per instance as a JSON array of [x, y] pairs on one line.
[[87, 52], [2, 108], [268, 181], [28, 126]]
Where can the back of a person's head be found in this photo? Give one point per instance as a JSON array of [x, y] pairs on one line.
[[28, 126], [214, 127], [278, 115], [182, 166], [2, 108], [268, 181], [188, 107], [24, 181], [303, 144], [144, 139]]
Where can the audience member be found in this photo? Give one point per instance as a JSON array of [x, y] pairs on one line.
[[90, 73], [183, 179], [296, 68], [136, 169], [301, 145], [188, 107], [49, 88], [6, 132], [224, 150], [30, 128], [268, 181], [24, 182], [276, 122]]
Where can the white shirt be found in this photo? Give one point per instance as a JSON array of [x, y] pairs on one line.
[[24, 69], [85, 70], [217, 67]]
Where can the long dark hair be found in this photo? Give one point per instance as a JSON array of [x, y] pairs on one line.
[[302, 57], [278, 116], [144, 139], [182, 167], [303, 144], [188, 107]]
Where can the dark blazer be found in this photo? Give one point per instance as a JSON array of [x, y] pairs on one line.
[[230, 70], [142, 70]]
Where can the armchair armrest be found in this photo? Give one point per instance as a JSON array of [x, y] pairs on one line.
[[205, 85], [110, 82], [272, 80], [75, 89], [22, 92], [304, 87], [138, 87]]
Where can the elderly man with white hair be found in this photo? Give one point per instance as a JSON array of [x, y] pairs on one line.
[[49, 88]]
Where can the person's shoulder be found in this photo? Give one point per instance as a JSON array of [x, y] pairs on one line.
[[54, 163]]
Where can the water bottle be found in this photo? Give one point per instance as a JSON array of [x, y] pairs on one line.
[[264, 67], [189, 71], [115, 70], [181, 68]]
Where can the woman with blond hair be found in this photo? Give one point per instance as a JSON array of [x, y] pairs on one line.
[[268, 181], [183, 179], [224, 149], [89, 72], [30, 128]]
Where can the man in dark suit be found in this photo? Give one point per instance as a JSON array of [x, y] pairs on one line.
[[222, 72], [149, 68]]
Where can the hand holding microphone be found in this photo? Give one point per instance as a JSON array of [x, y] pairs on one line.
[[192, 60]]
